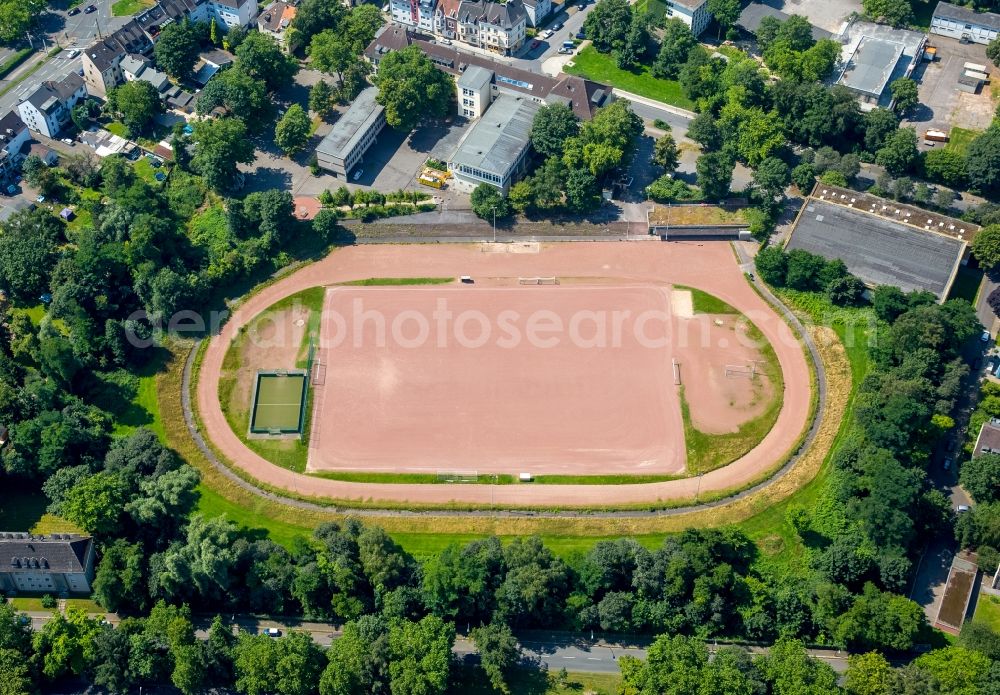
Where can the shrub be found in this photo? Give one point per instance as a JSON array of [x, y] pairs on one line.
[[48, 601], [661, 124]]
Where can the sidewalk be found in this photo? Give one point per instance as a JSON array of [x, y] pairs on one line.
[[676, 110]]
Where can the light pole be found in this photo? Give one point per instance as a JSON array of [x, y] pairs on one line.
[[494, 224], [698, 491]]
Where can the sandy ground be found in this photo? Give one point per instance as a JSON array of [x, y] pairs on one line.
[[707, 266], [490, 393]]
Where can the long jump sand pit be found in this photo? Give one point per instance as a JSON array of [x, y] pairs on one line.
[[570, 379]]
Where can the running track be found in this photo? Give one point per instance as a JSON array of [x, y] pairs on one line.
[[709, 266]]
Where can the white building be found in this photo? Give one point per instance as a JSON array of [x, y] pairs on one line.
[[59, 563], [102, 60], [47, 109], [502, 27], [960, 22], [537, 11], [694, 13], [353, 133], [494, 148], [446, 18], [418, 14], [13, 137]]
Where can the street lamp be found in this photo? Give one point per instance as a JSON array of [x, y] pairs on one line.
[[494, 224]]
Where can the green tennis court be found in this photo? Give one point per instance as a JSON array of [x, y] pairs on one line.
[[279, 403]]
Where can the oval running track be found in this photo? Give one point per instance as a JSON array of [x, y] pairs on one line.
[[710, 266]]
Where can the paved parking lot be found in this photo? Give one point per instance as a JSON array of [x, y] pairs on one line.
[[941, 105], [821, 13]]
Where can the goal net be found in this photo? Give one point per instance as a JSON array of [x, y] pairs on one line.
[[538, 281], [458, 476]]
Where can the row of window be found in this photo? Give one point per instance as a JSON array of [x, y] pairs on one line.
[[480, 174]]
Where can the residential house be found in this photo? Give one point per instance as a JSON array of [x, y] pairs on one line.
[[446, 18], [47, 109], [538, 11], [13, 137], [209, 63], [414, 13], [503, 26], [102, 60], [275, 20], [59, 563]]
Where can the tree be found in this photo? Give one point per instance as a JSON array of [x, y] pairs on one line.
[[675, 45], [488, 201], [788, 669], [243, 96], [981, 477], [958, 670], [895, 12], [846, 291], [986, 246], [889, 302], [321, 99], [119, 582], [904, 95], [16, 18], [993, 51], [177, 49], [704, 131], [983, 161], [136, 103], [725, 12], [715, 175], [771, 177], [412, 89], [292, 131], [261, 57], [314, 16], [869, 674], [222, 144], [499, 653], [804, 177], [772, 264], [289, 666], [420, 656], [582, 191], [607, 25], [95, 504], [946, 166], [899, 152], [879, 124], [29, 243], [15, 673], [552, 126], [333, 52], [665, 154]]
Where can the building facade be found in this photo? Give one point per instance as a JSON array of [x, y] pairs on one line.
[[475, 92], [446, 18], [59, 563], [47, 109], [502, 27], [418, 14], [537, 11], [102, 60], [275, 20], [694, 13], [960, 22], [13, 137], [342, 149]]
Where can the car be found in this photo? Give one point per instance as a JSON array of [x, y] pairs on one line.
[[40, 199], [90, 8], [74, 53], [358, 174], [985, 337], [74, 12], [11, 189], [446, 42], [962, 508], [947, 464], [272, 632], [547, 34], [557, 27], [565, 51], [67, 141], [80, 72], [581, 34]]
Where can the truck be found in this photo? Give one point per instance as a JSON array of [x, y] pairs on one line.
[[975, 67], [936, 136]]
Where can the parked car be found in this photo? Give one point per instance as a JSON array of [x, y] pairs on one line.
[[358, 174], [40, 199], [947, 464], [962, 508], [565, 51], [557, 27], [547, 34], [74, 53], [985, 337], [581, 34], [446, 42], [272, 632], [536, 43], [67, 141], [90, 8], [74, 12]]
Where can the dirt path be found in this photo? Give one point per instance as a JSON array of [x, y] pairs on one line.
[[710, 267]]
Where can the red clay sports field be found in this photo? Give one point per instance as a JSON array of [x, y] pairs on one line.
[[490, 408]]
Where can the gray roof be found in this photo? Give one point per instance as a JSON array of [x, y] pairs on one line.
[[957, 13], [475, 77], [58, 552], [505, 15], [880, 251], [988, 441], [50, 95], [495, 142], [134, 63], [754, 12], [11, 121], [871, 65], [471, 10], [129, 39], [690, 4], [353, 125]]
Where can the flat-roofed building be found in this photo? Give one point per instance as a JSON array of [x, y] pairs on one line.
[[868, 70], [963, 23], [352, 135], [59, 563], [494, 149], [694, 13], [883, 242]]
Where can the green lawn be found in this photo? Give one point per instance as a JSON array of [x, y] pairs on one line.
[[656, 8], [601, 67], [116, 128], [959, 138], [146, 171], [25, 603], [472, 680], [143, 410], [379, 282], [988, 611], [705, 303], [125, 8], [967, 283]]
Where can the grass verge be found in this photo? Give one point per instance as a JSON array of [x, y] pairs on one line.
[[601, 67], [34, 68], [15, 60], [472, 680], [959, 138], [704, 303], [125, 8], [988, 612], [393, 282]]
